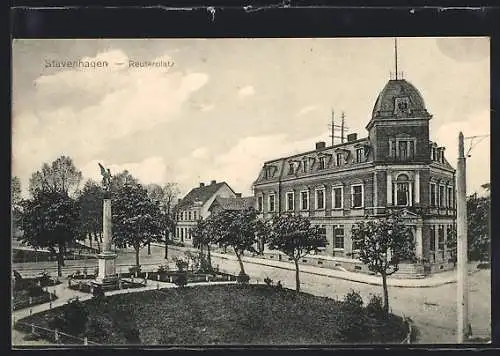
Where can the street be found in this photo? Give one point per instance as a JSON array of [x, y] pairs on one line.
[[433, 310]]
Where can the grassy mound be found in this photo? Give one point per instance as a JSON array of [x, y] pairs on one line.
[[226, 314]]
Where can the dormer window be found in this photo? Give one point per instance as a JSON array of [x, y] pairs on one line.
[[304, 165], [291, 168], [339, 157], [401, 106], [359, 155], [322, 164]]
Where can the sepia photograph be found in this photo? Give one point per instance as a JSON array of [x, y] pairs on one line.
[[250, 191]]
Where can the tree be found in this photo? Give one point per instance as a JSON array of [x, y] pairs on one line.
[[51, 220], [294, 236], [136, 218], [236, 229], [15, 202], [120, 179], [166, 195], [91, 210], [203, 236], [478, 228], [383, 243], [60, 176]]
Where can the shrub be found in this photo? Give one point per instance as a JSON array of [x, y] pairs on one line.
[[162, 269], [134, 269], [205, 266], [98, 292], [278, 285], [243, 278], [268, 281], [375, 307], [353, 325], [181, 264], [484, 265], [353, 300], [35, 291], [73, 319], [181, 280]]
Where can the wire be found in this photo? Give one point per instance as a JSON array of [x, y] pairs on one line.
[[472, 145]]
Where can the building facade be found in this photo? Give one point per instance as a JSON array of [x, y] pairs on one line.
[[396, 167], [195, 206]]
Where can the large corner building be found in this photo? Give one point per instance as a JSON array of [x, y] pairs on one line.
[[395, 167]]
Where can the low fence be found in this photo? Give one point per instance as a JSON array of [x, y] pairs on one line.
[[55, 336]]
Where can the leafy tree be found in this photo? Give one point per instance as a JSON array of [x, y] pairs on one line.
[[294, 236], [383, 243], [136, 219], [15, 200], [166, 195], [478, 228], [91, 205], [236, 229], [203, 236], [51, 220], [60, 176], [120, 179]]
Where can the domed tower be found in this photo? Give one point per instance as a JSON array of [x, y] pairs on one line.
[[399, 127]]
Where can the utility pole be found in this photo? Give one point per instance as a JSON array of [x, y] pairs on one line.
[[462, 273], [333, 127]]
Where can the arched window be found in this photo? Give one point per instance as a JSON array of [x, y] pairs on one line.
[[402, 190]]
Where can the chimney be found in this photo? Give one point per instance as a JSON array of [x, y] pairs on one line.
[[352, 137], [213, 182], [202, 185], [320, 145], [238, 195]]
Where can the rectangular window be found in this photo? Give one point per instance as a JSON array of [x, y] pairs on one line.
[[432, 240], [359, 155], [357, 196], [433, 194], [441, 196], [259, 203], [338, 237], [320, 199], [337, 195], [322, 234], [403, 150], [291, 168], [304, 165], [189, 215], [194, 215], [340, 157], [304, 200], [402, 194], [441, 238], [450, 197], [322, 163], [290, 203], [271, 202], [411, 149]]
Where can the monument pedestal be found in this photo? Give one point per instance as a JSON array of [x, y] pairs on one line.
[[107, 277]]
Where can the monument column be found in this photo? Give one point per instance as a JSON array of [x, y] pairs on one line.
[[107, 268]]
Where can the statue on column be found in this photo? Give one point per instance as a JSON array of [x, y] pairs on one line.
[[106, 179]]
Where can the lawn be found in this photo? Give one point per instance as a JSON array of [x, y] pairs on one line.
[[223, 314]]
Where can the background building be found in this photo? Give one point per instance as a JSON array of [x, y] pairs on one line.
[[194, 206], [395, 167]]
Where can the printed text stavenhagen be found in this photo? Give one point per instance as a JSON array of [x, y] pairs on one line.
[[104, 64]]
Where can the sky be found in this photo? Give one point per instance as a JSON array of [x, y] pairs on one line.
[[219, 108]]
